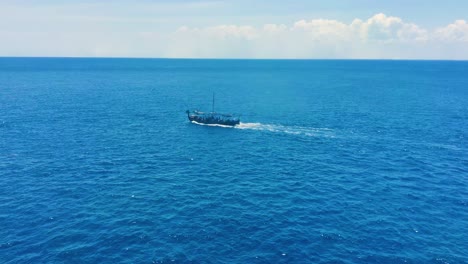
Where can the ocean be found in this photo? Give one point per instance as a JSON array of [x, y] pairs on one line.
[[335, 161]]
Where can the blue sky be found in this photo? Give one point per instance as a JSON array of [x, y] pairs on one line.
[[236, 29]]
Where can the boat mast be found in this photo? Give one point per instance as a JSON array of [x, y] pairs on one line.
[[212, 107]]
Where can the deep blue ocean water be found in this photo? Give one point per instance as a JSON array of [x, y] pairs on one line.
[[334, 161]]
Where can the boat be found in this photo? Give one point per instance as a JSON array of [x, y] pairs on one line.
[[212, 118]]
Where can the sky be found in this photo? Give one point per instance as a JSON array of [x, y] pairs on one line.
[[296, 29]]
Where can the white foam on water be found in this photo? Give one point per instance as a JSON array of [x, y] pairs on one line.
[[293, 130]]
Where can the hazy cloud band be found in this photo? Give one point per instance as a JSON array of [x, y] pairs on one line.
[[379, 37]]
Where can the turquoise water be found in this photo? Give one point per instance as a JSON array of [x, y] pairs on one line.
[[334, 161]]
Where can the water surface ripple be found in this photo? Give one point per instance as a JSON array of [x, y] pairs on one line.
[[334, 162]]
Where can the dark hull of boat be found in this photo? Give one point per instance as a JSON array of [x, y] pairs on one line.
[[213, 121]]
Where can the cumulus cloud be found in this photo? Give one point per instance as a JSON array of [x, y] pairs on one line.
[[378, 36], [388, 28], [378, 27], [456, 32]]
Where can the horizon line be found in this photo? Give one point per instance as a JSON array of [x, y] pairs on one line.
[[227, 58]]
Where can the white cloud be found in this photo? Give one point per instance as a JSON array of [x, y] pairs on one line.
[[377, 28], [380, 36], [456, 32], [216, 41], [323, 28], [231, 31], [388, 28], [381, 27], [274, 29]]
